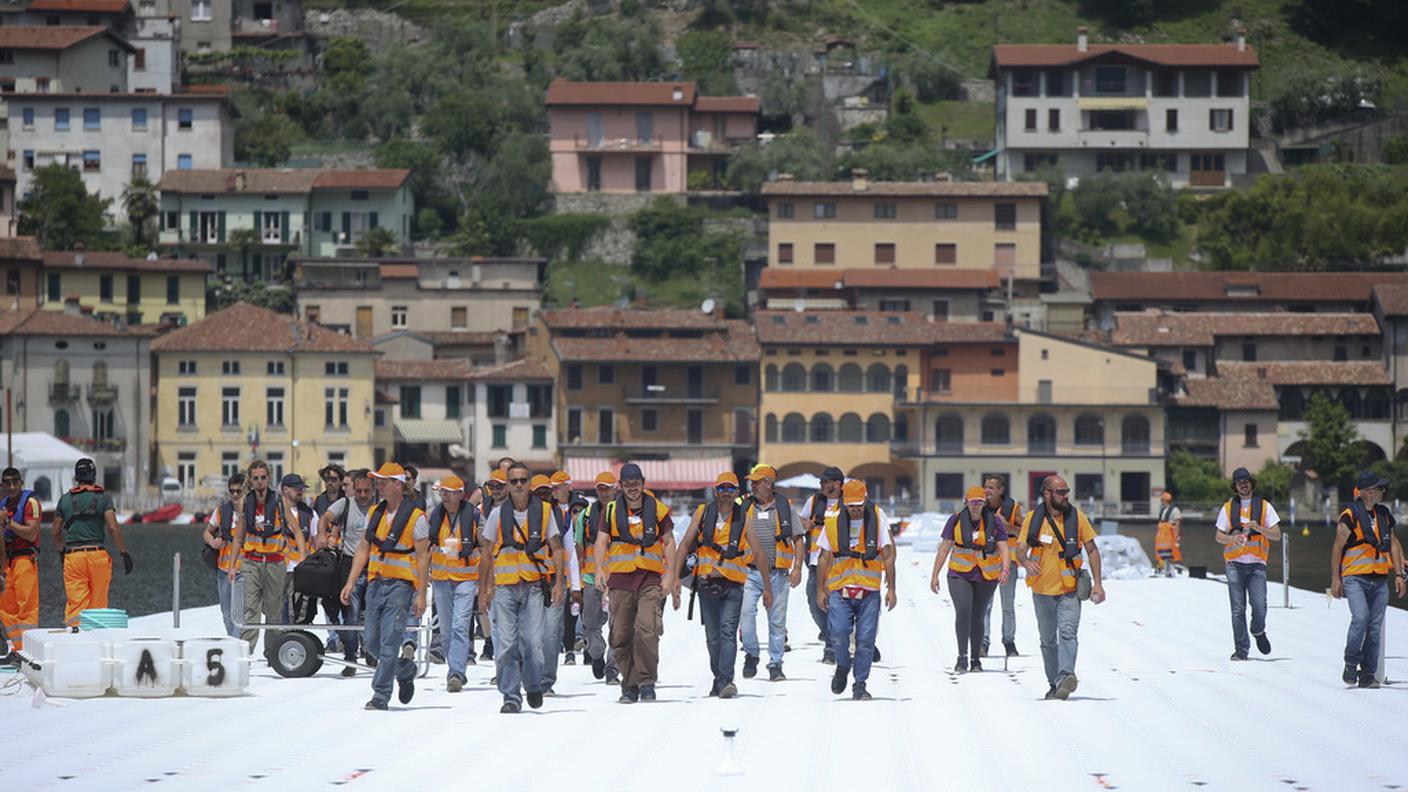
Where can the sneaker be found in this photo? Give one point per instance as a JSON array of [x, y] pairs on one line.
[[629, 695], [961, 667], [775, 673], [875, 655], [786, 647], [985, 650], [405, 690], [349, 672], [454, 685], [549, 692], [750, 666], [580, 645], [1239, 655], [535, 700], [509, 708], [728, 691], [369, 660], [1011, 647], [1051, 694], [488, 653], [1263, 644], [470, 660], [408, 651], [647, 692], [860, 693], [599, 667], [1065, 686], [612, 678], [570, 658], [975, 666], [1369, 683], [375, 705], [838, 680], [828, 657], [1350, 675], [436, 656]]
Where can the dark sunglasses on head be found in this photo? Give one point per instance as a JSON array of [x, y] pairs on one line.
[[518, 481]]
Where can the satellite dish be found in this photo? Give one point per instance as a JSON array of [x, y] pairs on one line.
[[707, 306]]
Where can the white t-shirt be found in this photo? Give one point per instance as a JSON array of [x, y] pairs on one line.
[[489, 529], [1269, 518], [833, 505], [823, 542]]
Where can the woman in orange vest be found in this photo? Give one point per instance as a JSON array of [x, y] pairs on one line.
[[1246, 526], [21, 519], [1169, 538], [1365, 556], [977, 539]]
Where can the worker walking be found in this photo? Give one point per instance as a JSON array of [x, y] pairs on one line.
[[454, 575], [220, 537], [998, 501], [977, 538], [772, 534], [82, 518], [1246, 526], [594, 608], [1364, 558], [21, 517], [813, 514], [1169, 537], [856, 553], [555, 616]]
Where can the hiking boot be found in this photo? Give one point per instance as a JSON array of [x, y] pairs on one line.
[[860, 693], [375, 705], [838, 680], [599, 667], [629, 695], [828, 657], [470, 660], [1065, 686], [728, 691], [750, 666], [1050, 694], [405, 690], [775, 673], [875, 655], [1350, 675], [509, 708], [454, 685], [580, 645], [570, 658], [975, 666], [535, 700], [1263, 644], [961, 667], [612, 678], [647, 692], [1239, 655], [1011, 647], [488, 653], [349, 672], [1368, 683], [985, 650]]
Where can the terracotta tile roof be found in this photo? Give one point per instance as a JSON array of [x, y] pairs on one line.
[[36, 321], [1308, 372], [458, 338], [606, 317], [870, 328], [736, 343], [81, 6], [1160, 328], [369, 179], [1229, 394], [827, 278], [52, 37], [115, 260], [516, 371], [727, 104], [54, 97], [248, 328], [567, 92], [400, 272], [1392, 298], [220, 89], [25, 248], [915, 189], [1006, 56], [428, 370], [279, 180], [1306, 287]]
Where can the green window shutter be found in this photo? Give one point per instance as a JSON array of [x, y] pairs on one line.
[[347, 225], [195, 226], [373, 221], [259, 224], [220, 232], [283, 229]]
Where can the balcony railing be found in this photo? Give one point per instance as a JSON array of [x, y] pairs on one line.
[[63, 393], [1134, 448], [114, 445], [102, 394], [670, 393], [607, 144]]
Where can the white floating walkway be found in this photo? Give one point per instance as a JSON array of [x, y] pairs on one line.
[[1159, 707]]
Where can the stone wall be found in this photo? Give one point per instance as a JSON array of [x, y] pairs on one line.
[[615, 244], [378, 30]]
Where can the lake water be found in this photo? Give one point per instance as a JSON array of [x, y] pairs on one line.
[[148, 588]]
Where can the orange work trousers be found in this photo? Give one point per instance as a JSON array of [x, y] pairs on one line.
[[86, 578], [19, 604]]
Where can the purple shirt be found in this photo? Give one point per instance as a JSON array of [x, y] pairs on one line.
[[975, 574]]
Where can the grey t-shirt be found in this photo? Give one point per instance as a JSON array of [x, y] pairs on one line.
[[354, 527], [764, 536]]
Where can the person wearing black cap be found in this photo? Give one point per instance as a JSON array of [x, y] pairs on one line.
[[1364, 557], [82, 518], [1246, 526], [813, 514], [21, 520]]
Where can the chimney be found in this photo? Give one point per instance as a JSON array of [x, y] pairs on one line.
[[1241, 38], [1082, 39], [943, 177], [784, 177], [859, 182], [719, 309]]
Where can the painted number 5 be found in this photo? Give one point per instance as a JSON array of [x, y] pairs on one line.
[[216, 668]]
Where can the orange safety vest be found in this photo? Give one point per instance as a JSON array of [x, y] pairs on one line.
[[592, 520], [1257, 543], [465, 565], [858, 564], [393, 547], [263, 538], [522, 553], [1166, 540], [720, 548], [1369, 550], [637, 543], [305, 519], [784, 549], [225, 529], [1011, 511], [1067, 545], [976, 545]]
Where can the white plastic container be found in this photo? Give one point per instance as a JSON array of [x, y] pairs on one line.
[[214, 667], [70, 665], [145, 667]]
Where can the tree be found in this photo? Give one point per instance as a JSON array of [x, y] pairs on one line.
[[377, 242], [139, 202], [1330, 439], [242, 239], [1273, 481], [463, 123], [1396, 150], [275, 298], [799, 153], [932, 81], [1195, 479], [61, 213], [707, 58], [267, 141], [904, 124]]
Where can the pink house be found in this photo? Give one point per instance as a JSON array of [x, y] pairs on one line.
[[642, 137]]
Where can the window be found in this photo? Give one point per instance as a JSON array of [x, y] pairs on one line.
[[785, 210], [92, 119], [946, 253], [1090, 430], [54, 287], [1249, 350], [1229, 83], [1053, 119], [945, 210], [1089, 487], [361, 195], [27, 117], [1056, 84], [184, 117], [784, 253], [742, 374], [459, 318], [270, 226], [605, 374], [398, 316], [948, 486], [105, 288], [335, 369], [649, 420], [645, 127], [496, 400], [824, 253], [643, 165], [1165, 82], [1341, 351], [1005, 216], [885, 210], [139, 59], [893, 306], [1117, 161], [824, 211], [183, 162], [230, 407], [274, 406], [884, 253], [139, 166], [61, 119], [1190, 359], [92, 160], [379, 417], [276, 465], [200, 10], [574, 424], [335, 407], [593, 173], [1111, 80], [1171, 120], [410, 401], [1197, 84], [134, 289], [996, 430], [186, 405], [453, 401], [28, 157], [1031, 119], [822, 378], [139, 119], [1112, 120], [274, 368], [229, 464], [540, 435], [1134, 435], [1041, 434], [7, 56], [794, 377], [1220, 120], [229, 367], [322, 221], [186, 469], [500, 439], [1024, 82], [1043, 387], [605, 426], [1249, 436], [574, 376], [940, 380], [539, 401]]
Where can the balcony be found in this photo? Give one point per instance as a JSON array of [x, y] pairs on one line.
[[625, 145], [670, 394], [703, 141], [112, 445], [102, 393], [63, 393], [1096, 139]]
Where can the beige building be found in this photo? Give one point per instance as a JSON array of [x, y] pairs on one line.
[[21, 260], [247, 383], [1234, 292], [113, 287], [939, 225], [432, 422], [943, 295]]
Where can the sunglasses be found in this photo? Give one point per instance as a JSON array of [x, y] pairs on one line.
[[234, 492], [726, 488], [1061, 492], [518, 481], [10, 481]]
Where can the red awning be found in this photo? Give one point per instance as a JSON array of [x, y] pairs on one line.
[[660, 474]]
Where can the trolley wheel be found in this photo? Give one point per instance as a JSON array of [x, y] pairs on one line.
[[297, 653]]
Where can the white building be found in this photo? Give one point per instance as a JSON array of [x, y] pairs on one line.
[[514, 415], [113, 137], [155, 65], [63, 59], [430, 422], [1182, 109]]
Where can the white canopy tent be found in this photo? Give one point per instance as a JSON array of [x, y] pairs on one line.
[[805, 481], [46, 463]]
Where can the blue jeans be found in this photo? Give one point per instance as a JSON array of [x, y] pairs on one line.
[[230, 592], [814, 596], [719, 609], [518, 639], [861, 615], [1008, 593], [388, 603], [777, 614], [1244, 582], [1368, 600], [352, 614], [1058, 624], [455, 600], [552, 639]]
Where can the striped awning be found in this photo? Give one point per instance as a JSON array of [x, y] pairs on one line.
[[660, 474], [419, 430]]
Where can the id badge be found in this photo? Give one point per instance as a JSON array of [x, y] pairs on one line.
[[764, 514], [1047, 539]]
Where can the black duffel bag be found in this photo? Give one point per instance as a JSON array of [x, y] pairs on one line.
[[317, 575]]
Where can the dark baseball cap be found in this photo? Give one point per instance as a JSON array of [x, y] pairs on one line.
[[293, 480], [12, 473], [1367, 480], [833, 473], [85, 471], [631, 470], [1241, 474]]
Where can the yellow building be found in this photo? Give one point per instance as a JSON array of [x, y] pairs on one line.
[[936, 226], [248, 383], [138, 291]]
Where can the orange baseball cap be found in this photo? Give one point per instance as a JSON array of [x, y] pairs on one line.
[[499, 476], [976, 493], [854, 493], [606, 478], [761, 471], [560, 477], [451, 484], [1166, 497], [539, 481], [390, 470], [726, 477]]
